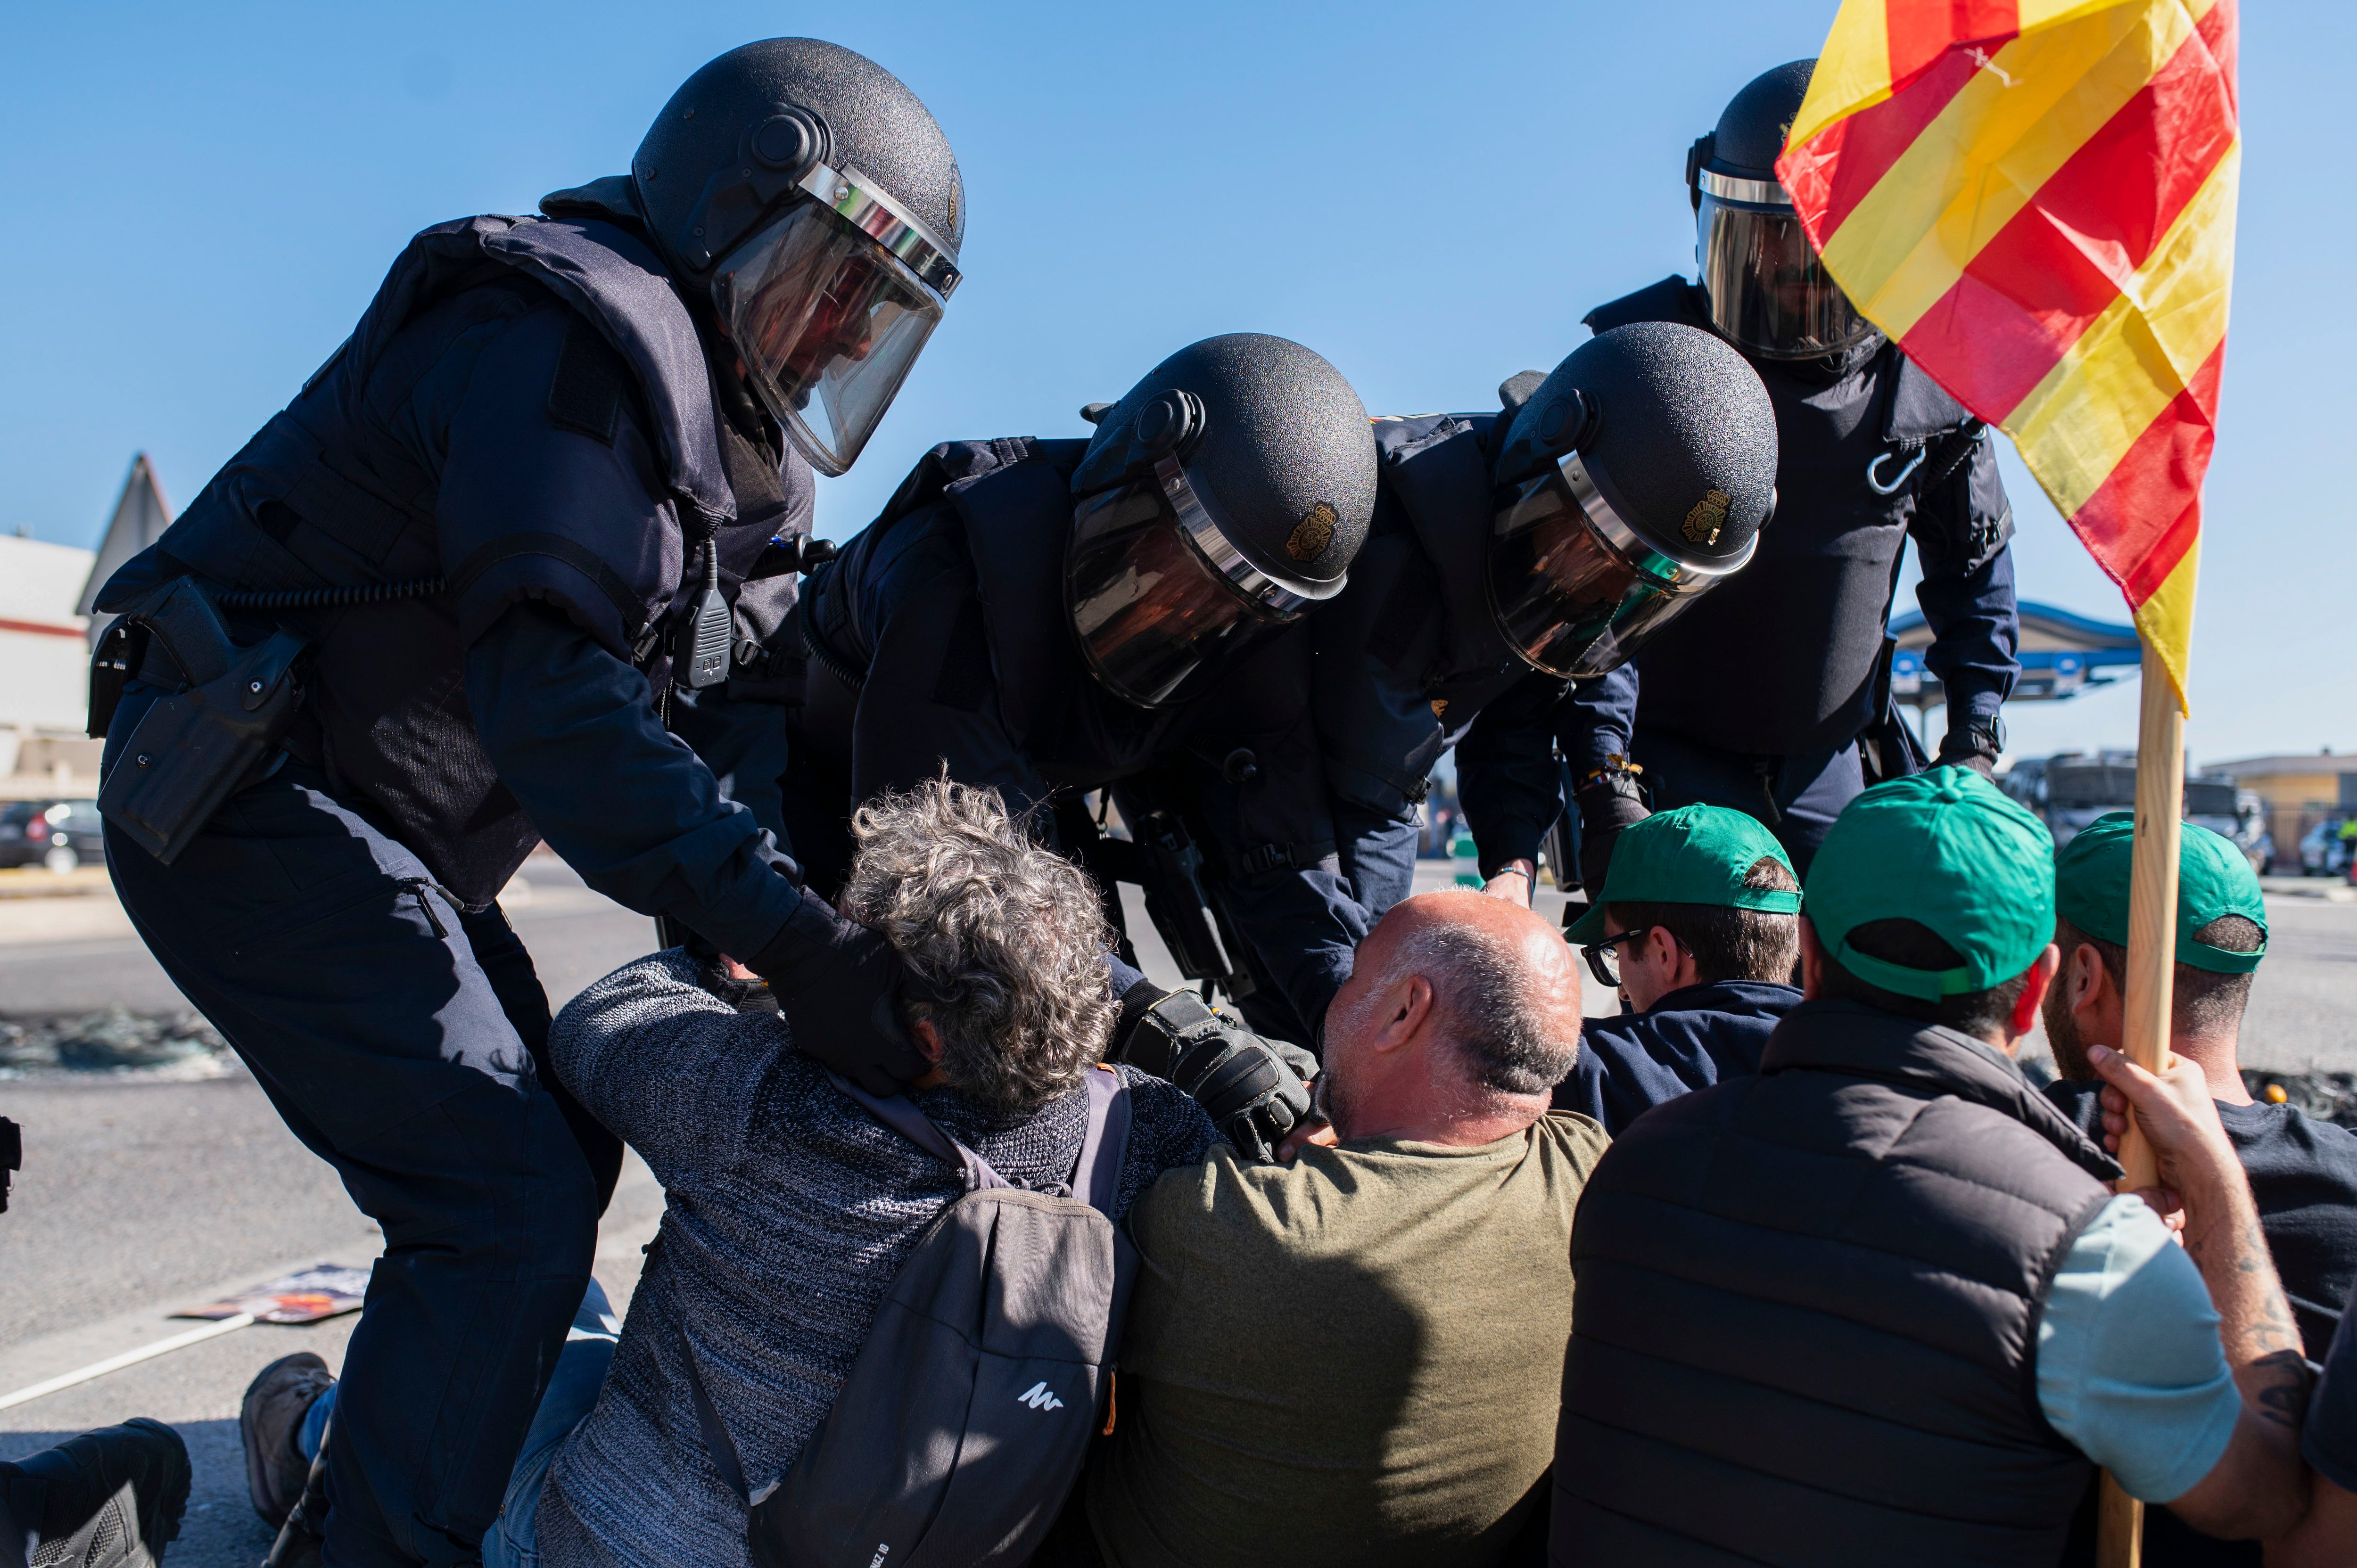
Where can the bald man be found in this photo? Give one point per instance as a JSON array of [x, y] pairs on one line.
[[1355, 1358]]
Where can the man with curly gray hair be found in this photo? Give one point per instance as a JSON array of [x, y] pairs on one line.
[[789, 1209]]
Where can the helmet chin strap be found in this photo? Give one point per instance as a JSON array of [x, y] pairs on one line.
[[1841, 362]]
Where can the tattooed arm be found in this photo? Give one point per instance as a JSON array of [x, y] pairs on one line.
[[2258, 1487]]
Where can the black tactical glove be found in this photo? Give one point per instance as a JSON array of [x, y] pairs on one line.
[[1608, 801], [838, 984], [745, 995], [1254, 1091], [1976, 746]]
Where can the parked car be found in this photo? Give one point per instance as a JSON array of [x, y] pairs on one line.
[[2322, 851], [2073, 788], [59, 834]]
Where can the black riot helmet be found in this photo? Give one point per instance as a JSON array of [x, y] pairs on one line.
[[1227, 491], [815, 199], [1768, 294], [1634, 480]]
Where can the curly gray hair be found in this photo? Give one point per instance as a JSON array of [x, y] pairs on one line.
[[1004, 939]]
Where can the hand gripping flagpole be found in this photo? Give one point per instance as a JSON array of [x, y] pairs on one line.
[[2036, 203], [2149, 994]]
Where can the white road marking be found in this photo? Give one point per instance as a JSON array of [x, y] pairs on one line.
[[128, 1358]]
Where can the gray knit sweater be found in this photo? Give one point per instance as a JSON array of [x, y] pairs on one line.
[[788, 1210]]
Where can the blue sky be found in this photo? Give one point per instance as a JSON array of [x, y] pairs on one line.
[[202, 198]]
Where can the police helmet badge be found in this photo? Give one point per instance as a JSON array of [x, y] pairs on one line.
[[1313, 533], [1708, 516]]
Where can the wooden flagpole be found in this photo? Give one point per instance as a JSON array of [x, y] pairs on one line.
[[2152, 973]]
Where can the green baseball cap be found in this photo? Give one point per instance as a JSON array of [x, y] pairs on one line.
[[1947, 849], [2091, 889], [1695, 854]]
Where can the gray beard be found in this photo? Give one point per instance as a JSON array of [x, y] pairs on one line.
[[1329, 1098]]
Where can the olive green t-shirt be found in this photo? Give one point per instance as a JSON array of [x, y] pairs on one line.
[[1353, 1360]]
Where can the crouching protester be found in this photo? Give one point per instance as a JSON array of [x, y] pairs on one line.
[[1696, 925], [2303, 1173], [1349, 1359], [790, 1208], [1878, 1304]]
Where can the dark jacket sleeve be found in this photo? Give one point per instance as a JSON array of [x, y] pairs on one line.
[[1300, 915], [1595, 720], [1507, 775], [573, 732], [1961, 530]]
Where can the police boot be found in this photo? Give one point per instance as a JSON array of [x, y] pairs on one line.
[[109, 1498], [277, 1400]]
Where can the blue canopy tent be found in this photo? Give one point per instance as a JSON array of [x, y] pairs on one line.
[[2061, 655]]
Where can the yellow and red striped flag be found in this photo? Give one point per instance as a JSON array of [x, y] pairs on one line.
[[2036, 200]]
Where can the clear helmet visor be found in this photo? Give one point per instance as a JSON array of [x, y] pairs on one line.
[[1769, 294], [1575, 590], [1154, 599], [829, 324]]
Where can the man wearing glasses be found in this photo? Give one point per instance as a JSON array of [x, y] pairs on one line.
[[1698, 927]]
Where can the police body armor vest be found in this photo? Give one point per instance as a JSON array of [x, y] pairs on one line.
[[1011, 503], [324, 497], [1806, 1323], [1786, 658], [1408, 654]]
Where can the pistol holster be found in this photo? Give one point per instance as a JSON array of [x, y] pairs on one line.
[[194, 749]]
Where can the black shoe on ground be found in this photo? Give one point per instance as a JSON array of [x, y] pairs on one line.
[[109, 1498], [277, 1400]]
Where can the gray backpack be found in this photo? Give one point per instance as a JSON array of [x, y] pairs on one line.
[[962, 1425]]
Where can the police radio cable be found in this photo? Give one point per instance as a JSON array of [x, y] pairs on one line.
[[328, 598]]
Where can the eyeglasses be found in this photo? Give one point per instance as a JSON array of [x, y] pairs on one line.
[[1604, 961]]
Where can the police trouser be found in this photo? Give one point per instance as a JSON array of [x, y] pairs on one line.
[[392, 1035], [1796, 797], [1378, 854]]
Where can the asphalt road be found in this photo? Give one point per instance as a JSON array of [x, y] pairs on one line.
[[142, 1195]]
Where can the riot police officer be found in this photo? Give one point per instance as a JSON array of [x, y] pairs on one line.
[[437, 611], [1514, 553], [1540, 545], [1774, 697], [1057, 616]]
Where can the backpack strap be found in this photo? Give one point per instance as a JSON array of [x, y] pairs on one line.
[[1096, 1177], [903, 1117]]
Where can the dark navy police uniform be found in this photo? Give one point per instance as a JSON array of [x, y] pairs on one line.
[[1408, 654], [940, 637], [1348, 711], [1759, 696], [526, 411]]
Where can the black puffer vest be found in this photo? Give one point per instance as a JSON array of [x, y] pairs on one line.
[[1806, 1322], [329, 495], [1786, 658]]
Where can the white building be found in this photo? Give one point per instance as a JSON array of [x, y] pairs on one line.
[[45, 631], [44, 655]]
